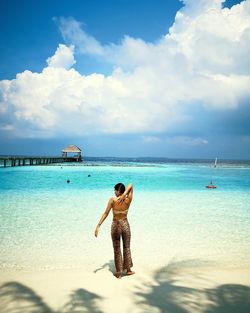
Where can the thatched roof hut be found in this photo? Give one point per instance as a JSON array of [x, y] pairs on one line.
[[72, 149]]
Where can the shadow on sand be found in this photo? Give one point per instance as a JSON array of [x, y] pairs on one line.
[[109, 265], [168, 295], [81, 301], [18, 298]]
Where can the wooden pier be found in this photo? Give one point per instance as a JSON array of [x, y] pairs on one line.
[[6, 161], [71, 153]]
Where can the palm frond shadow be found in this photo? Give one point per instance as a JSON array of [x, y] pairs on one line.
[[229, 298], [168, 295], [18, 298], [82, 301]]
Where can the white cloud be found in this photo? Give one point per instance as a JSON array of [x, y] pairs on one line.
[[176, 140], [70, 28], [63, 57], [204, 59], [7, 127], [186, 140], [151, 139]]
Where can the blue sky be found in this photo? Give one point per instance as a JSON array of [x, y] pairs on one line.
[[29, 33], [126, 78]]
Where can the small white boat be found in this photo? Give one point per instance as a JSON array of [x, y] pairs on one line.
[[215, 162]]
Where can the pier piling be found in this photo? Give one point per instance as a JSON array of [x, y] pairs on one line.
[[12, 161]]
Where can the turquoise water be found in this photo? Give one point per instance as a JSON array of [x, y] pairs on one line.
[[49, 223]]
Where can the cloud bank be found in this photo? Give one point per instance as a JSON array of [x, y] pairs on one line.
[[200, 68]]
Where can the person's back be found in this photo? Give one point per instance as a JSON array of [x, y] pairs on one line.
[[120, 210]]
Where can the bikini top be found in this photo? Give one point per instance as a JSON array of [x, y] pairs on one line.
[[120, 211]]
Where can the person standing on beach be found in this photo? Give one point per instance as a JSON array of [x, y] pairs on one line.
[[120, 227]]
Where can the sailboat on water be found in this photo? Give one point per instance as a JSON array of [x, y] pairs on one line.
[[211, 185], [215, 162]]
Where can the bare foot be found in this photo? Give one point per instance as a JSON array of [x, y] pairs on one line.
[[130, 273], [118, 275]]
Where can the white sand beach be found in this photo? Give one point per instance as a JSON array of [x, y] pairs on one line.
[[178, 287]]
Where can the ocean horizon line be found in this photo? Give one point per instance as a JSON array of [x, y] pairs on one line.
[[136, 158]]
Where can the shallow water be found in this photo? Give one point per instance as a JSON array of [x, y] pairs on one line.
[[49, 223]]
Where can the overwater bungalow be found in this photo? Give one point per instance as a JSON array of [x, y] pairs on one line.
[[72, 149]]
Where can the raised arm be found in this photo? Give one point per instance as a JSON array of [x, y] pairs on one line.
[[128, 193], [104, 215]]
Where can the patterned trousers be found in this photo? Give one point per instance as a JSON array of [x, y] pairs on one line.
[[120, 229]]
